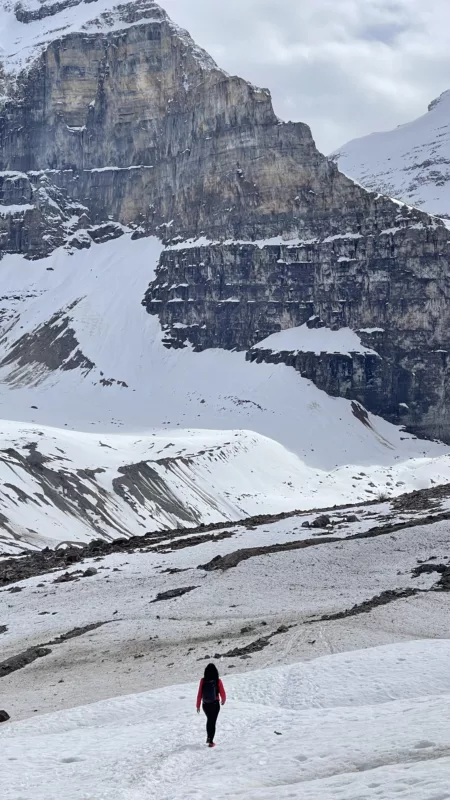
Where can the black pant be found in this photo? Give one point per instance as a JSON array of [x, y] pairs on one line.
[[212, 712]]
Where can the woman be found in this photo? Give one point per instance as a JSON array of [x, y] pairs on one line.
[[211, 694]]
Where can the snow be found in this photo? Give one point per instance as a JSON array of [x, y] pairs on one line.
[[146, 645], [199, 476], [314, 340], [203, 241], [362, 725], [311, 715], [6, 211], [411, 162], [21, 43], [274, 241], [347, 235], [119, 169], [280, 442], [222, 475]]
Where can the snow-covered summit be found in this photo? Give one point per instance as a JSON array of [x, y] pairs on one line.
[[411, 162], [28, 27]]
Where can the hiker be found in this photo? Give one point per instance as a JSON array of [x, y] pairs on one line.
[[211, 694]]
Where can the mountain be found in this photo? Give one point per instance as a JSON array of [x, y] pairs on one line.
[[114, 443], [160, 231], [211, 343], [412, 162]]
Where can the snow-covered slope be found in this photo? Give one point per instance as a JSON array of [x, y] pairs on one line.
[[314, 340], [371, 724], [411, 163], [94, 399], [78, 352], [67, 486], [60, 486], [343, 724]]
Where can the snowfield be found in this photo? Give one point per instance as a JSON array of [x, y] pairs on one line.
[[156, 438], [309, 713], [411, 162], [147, 639], [315, 340], [372, 724]]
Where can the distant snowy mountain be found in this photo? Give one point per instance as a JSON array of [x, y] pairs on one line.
[[411, 163], [29, 27]]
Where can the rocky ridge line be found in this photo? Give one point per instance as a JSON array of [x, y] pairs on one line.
[[27, 565]]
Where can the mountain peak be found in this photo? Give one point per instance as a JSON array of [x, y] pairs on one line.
[[27, 28], [443, 98]]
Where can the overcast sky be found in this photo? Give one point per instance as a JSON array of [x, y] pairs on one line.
[[346, 67]]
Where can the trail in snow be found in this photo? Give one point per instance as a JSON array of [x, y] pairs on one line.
[[147, 645], [377, 725]]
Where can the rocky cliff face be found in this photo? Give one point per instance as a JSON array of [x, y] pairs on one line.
[[138, 124], [390, 286], [116, 118]]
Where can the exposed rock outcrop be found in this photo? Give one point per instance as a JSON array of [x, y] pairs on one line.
[[390, 284]]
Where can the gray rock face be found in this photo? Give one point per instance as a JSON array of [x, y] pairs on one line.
[[394, 281], [139, 124], [126, 120]]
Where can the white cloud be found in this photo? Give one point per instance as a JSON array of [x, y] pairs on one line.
[[346, 67]]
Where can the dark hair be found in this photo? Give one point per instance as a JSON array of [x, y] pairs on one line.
[[211, 673]]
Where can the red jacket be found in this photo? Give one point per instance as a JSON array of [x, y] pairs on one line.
[[222, 693]]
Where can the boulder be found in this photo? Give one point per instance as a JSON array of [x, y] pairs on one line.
[[321, 522]]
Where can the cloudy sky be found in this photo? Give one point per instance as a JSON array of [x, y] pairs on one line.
[[346, 67]]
